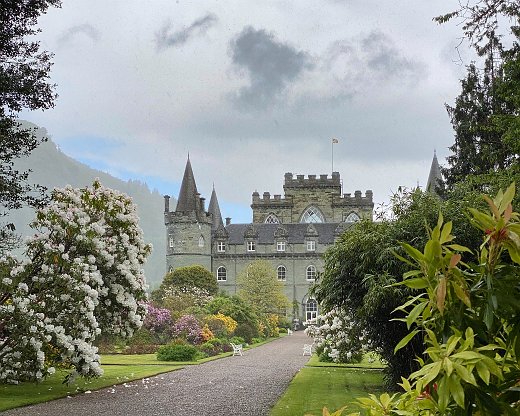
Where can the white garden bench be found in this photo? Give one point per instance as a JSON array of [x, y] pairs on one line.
[[289, 332], [237, 349], [307, 349]]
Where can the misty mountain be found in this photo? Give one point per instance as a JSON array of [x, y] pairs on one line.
[[52, 168]]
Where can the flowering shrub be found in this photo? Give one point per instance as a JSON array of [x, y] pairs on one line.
[[337, 338], [188, 327], [268, 326], [82, 276], [159, 322], [206, 334], [178, 299], [221, 324]]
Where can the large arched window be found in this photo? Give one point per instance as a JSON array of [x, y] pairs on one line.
[[272, 219], [281, 272], [311, 310], [221, 274], [312, 214], [352, 217], [311, 272]]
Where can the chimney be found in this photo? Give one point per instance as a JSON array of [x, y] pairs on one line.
[[228, 221], [166, 203]]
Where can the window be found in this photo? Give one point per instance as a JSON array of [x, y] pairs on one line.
[[311, 310], [221, 274], [251, 246], [311, 272], [280, 246], [281, 271], [311, 245], [171, 242], [221, 246], [312, 214], [272, 219], [201, 241], [352, 217]]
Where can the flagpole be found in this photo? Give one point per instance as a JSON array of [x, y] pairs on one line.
[[332, 153]]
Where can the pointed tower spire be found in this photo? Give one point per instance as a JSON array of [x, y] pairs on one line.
[[435, 176], [214, 210], [188, 195]]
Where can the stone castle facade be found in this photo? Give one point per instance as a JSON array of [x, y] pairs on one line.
[[291, 232]]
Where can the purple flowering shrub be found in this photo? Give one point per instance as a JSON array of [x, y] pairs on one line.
[[188, 327], [159, 323]]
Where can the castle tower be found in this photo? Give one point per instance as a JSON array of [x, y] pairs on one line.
[[188, 228]]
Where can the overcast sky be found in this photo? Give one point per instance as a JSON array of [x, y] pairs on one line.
[[254, 89]]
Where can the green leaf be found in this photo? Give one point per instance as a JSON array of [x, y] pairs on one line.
[[456, 391], [416, 283], [483, 372], [414, 313], [507, 198], [464, 374], [446, 231], [413, 252], [458, 247], [405, 340], [411, 273], [483, 221]]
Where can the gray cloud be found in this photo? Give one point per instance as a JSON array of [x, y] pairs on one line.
[[371, 58], [270, 64], [165, 38], [84, 29]]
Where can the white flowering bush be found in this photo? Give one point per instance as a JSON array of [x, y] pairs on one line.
[[82, 276], [337, 337]]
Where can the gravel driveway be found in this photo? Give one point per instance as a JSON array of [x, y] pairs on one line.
[[248, 385]]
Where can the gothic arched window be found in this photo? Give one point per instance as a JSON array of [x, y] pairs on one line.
[[312, 214], [272, 219], [352, 217], [201, 241]]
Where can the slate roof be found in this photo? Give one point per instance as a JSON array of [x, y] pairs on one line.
[[188, 198], [214, 209], [296, 232], [435, 175]]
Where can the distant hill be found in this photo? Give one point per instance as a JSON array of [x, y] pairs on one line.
[[52, 168]]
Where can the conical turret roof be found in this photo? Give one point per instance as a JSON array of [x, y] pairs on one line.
[[435, 176], [214, 210], [188, 196]]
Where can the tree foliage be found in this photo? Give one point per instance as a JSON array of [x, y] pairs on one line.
[[24, 83], [82, 277], [361, 268], [187, 277], [259, 287], [467, 314]]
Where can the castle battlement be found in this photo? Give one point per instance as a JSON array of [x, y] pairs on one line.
[[357, 200], [269, 201], [312, 181]]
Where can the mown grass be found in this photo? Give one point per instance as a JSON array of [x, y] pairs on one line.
[[314, 388], [370, 360], [24, 394]]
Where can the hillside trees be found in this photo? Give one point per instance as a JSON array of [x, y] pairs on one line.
[[81, 277], [24, 84]]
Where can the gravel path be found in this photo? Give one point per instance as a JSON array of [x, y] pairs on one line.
[[235, 386]]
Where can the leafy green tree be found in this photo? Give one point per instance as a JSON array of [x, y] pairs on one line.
[[361, 268], [259, 287], [24, 83], [186, 278]]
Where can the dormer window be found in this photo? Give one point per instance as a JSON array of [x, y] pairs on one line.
[[280, 246], [251, 246], [221, 246], [311, 245]]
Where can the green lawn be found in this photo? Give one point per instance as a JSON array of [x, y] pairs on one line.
[[333, 387], [370, 360], [12, 396]]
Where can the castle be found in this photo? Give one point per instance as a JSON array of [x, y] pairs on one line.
[[290, 232]]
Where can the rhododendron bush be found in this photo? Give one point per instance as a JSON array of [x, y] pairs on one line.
[[82, 276], [337, 337]]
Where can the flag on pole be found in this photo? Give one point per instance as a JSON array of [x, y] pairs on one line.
[[334, 140]]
